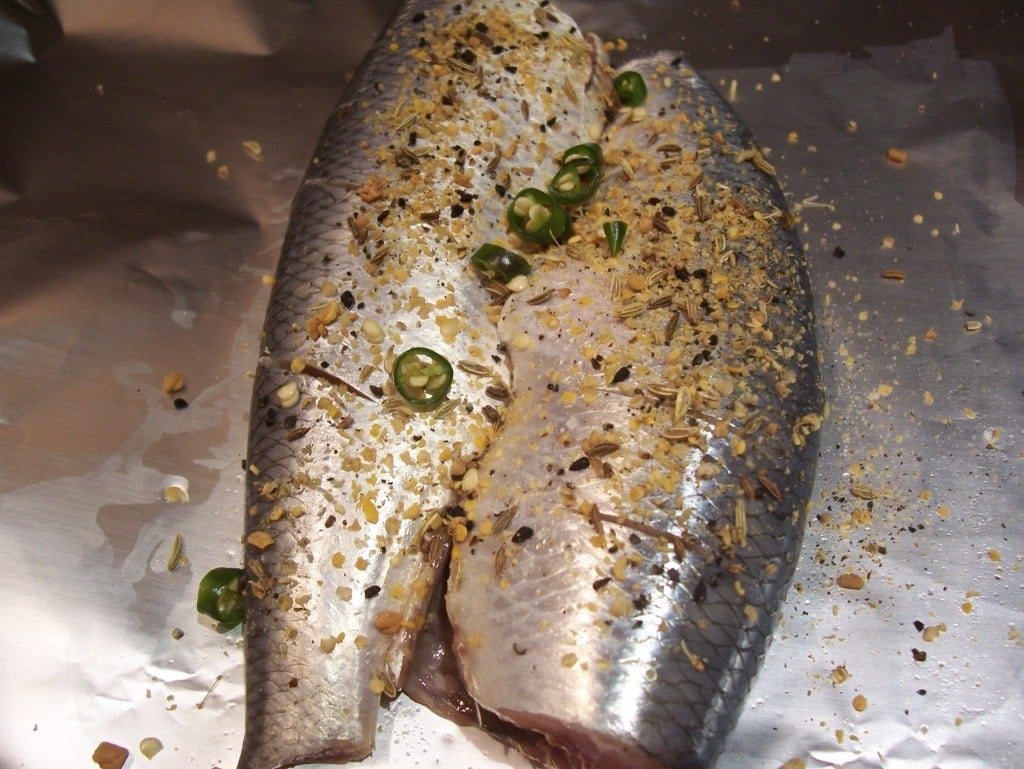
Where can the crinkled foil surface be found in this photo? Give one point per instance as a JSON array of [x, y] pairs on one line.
[[149, 152]]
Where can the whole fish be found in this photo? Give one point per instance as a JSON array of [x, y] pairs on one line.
[[638, 517], [353, 483], [618, 467]]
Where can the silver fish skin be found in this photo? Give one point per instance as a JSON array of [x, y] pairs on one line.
[[638, 518], [351, 493]]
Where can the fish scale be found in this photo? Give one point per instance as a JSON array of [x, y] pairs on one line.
[[350, 490]]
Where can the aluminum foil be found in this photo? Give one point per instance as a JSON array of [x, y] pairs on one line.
[[148, 156]]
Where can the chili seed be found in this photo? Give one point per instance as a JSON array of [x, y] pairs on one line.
[[150, 746]]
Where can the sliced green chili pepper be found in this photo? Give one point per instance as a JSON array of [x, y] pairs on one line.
[[535, 217], [589, 152], [422, 376], [631, 88], [575, 182], [499, 263], [220, 596], [615, 233]]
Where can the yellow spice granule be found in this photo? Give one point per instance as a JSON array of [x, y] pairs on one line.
[[260, 540], [110, 756], [850, 581], [253, 149], [897, 155], [173, 382]]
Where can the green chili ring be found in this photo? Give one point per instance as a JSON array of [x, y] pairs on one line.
[[221, 596], [575, 182], [422, 377], [535, 217], [589, 152], [631, 88], [499, 263]]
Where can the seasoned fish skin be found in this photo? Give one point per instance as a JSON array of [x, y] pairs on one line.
[[640, 515], [351, 493]]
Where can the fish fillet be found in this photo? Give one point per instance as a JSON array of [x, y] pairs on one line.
[[640, 513], [617, 479], [351, 493]]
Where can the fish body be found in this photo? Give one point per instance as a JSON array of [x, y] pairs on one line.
[[353, 492], [639, 516], [616, 479]]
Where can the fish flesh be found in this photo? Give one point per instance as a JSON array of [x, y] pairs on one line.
[[352, 494], [616, 480]]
